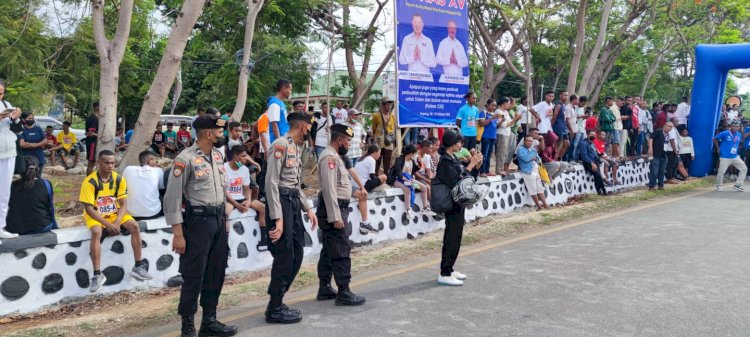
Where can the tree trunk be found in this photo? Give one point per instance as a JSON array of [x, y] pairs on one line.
[[362, 97], [651, 71], [253, 8], [110, 53], [154, 101], [594, 56], [557, 78], [579, 43]]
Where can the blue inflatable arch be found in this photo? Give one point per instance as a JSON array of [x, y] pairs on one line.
[[713, 63]]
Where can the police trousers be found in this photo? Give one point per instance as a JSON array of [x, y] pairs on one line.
[[288, 251], [203, 266], [335, 260]]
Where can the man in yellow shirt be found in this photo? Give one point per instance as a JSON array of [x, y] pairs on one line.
[[67, 139], [104, 196]]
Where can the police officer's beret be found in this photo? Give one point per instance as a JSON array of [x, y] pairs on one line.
[[208, 122], [300, 117], [342, 129]]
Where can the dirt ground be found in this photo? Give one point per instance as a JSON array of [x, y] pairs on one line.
[[137, 310]]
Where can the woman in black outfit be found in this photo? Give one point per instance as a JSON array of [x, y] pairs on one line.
[[32, 202], [450, 172]]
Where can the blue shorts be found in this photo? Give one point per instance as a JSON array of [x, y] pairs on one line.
[[561, 132], [613, 137]]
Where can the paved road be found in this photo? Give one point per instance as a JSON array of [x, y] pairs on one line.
[[678, 269]]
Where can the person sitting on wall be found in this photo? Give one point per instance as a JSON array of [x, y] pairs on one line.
[[158, 144], [608, 164], [528, 164], [32, 206], [145, 181], [104, 196], [365, 170], [237, 191], [170, 141], [401, 175]]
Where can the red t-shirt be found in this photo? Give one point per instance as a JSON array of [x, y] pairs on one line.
[[183, 136], [591, 123], [600, 145], [51, 140]]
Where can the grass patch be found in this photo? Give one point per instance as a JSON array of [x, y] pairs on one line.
[[86, 326]]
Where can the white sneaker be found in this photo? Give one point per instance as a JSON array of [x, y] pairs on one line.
[[719, 188], [7, 235], [449, 281], [97, 282], [427, 211], [410, 214], [458, 276]]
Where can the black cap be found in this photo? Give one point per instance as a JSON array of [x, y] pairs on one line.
[[300, 117], [208, 122], [342, 129]]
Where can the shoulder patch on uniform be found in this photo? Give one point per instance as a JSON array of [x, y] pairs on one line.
[[331, 162], [178, 168], [278, 151]]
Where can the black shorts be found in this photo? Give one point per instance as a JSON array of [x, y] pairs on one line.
[[372, 184], [62, 152], [91, 150]]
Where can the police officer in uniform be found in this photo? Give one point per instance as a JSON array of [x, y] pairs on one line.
[[333, 211], [284, 206], [200, 237]]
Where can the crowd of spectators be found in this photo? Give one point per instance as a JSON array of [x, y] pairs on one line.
[[541, 142]]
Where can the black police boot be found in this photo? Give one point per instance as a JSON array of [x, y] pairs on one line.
[[326, 292], [283, 315], [347, 297], [188, 326], [212, 327]]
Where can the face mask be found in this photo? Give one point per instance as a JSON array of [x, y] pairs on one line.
[[592, 137], [30, 122], [343, 150], [239, 164], [220, 141]]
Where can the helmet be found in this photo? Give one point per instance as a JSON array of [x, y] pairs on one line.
[[467, 192]]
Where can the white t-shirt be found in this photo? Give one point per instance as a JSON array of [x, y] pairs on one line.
[[525, 114], [339, 115], [364, 169], [144, 183], [503, 124], [580, 122], [544, 110], [571, 118], [686, 145], [235, 180], [426, 167], [321, 137], [618, 118]]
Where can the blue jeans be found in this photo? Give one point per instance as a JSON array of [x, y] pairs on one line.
[[656, 170], [488, 146], [574, 153], [639, 144], [412, 137]]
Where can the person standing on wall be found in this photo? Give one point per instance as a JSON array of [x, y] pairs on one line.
[[449, 172], [277, 116], [384, 131], [284, 207], [200, 237], [9, 119], [467, 119], [333, 210]]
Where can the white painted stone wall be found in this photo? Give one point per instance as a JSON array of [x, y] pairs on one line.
[[54, 266]]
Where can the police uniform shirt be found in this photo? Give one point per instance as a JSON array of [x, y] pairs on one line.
[[334, 182], [197, 176], [284, 169]]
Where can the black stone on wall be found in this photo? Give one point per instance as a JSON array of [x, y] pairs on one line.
[[40, 260], [14, 288], [71, 258], [52, 283], [114, 275]]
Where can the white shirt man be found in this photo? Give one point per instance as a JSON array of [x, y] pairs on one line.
[[544, 110], [144, 183], [682, 113], [416, 49], [340, 115], [451, 53], [321, 134]]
